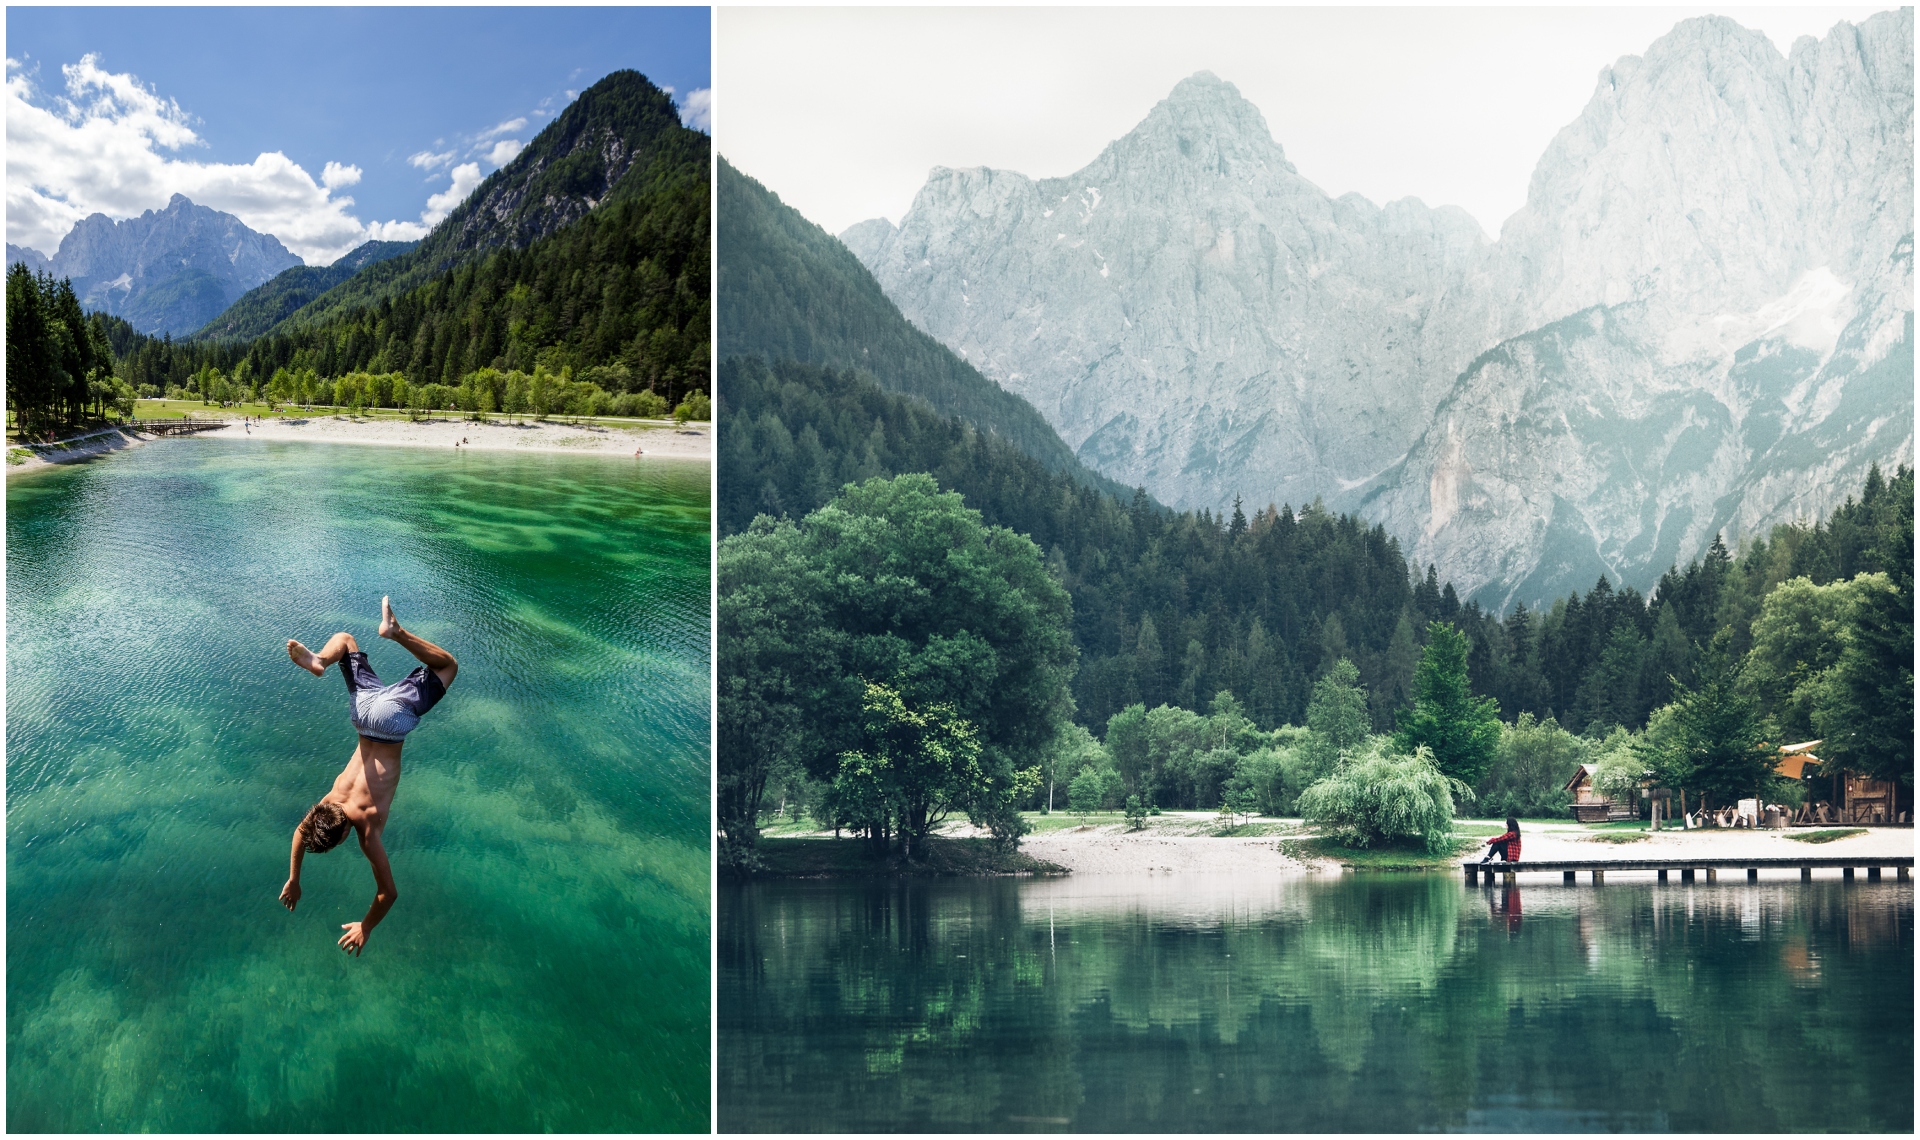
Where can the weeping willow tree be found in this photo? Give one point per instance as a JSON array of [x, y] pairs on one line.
[[1379, 799]]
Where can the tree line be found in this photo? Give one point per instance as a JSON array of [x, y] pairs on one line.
[[60, 364], [1695, 686]]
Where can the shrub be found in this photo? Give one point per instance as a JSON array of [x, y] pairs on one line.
[[1378, 799], [695, 407]]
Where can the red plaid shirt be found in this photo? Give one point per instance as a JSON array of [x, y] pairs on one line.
[[1512, 839]]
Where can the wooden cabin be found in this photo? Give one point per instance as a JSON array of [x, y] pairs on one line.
[[1856, 799], [1589, 805]]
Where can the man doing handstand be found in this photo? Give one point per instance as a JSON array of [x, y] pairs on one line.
[[363, 793]]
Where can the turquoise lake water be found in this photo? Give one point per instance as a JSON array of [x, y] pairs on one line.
[[546, 966], [1365, 1003]]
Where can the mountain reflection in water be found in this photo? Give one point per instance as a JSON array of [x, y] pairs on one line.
[[1358, 1003]]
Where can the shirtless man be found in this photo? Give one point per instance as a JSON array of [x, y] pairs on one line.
[[363, 793]]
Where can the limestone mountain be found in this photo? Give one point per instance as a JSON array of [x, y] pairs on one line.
[[1700, 322], [166, 271]]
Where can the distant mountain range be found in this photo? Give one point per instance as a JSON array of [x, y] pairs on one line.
[[266, 306], [166, 271], [1700, 323]]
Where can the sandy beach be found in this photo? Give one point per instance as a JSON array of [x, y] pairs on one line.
[[1109, 849], [652, 440]]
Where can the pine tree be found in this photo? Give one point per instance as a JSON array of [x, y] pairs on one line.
[[1719, 738], [1463, 731]]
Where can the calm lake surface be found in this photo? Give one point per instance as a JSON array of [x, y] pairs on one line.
[[546, 966], [1361, 1003]]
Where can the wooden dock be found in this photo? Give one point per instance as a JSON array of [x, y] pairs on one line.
[[176, 427], [1688, 868]]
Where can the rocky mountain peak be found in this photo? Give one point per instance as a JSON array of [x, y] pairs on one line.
[[167, 270], [1699, 322], [1204, 123], [573, 165]]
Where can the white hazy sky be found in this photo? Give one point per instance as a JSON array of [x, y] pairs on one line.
[[842, 111]]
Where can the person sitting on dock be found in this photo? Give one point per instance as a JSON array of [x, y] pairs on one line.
[[1506, 846], [362, 794]]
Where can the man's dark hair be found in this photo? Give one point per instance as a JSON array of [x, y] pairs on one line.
[[323, 829]]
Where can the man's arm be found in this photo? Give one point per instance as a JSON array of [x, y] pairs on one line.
[[290, 894], [385, 893]]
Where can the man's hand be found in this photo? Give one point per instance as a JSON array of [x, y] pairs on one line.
[[290, 894], [355, 938]]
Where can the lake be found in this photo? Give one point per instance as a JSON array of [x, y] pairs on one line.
[[546, 966], [1370, 1003]]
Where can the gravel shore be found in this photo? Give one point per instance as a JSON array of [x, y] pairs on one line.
[[654, 441], [1109, 849]]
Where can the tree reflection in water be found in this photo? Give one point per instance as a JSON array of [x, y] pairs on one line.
[[1359, 1003]]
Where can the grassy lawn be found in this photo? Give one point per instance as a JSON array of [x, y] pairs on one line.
[[1826, 836], [1041, 822], [836, 858]]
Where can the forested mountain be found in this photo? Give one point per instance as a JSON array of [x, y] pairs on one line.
[[266, 306], [620, 141], [589, 253], [1611, 656], [791, 291]]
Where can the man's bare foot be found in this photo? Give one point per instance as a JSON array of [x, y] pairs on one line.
[[305, 658], [389, 625]]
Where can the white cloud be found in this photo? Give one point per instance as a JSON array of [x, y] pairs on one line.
[[506, 128], [466, 176], [109, 145], [505, 151], [335, 176], [696, 110], [397, 231], [427, 160]]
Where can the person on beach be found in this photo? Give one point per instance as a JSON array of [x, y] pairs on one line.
[[362, 794], [1506, 846]]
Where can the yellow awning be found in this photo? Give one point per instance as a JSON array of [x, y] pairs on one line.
[[1793, 763]]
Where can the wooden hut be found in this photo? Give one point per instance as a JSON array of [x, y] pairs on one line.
[[1589, 805]]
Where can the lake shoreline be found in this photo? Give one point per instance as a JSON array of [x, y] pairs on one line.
[[692, 443], [623, 442], [1109, 848], [25, 459]]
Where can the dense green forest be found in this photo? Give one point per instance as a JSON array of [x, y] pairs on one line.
[[59, 359], [543, 272]]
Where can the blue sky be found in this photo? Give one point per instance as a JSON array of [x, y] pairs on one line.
[[411, 106]]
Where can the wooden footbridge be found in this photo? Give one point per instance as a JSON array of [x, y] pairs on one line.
[[1568, 868], [177, 427]]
